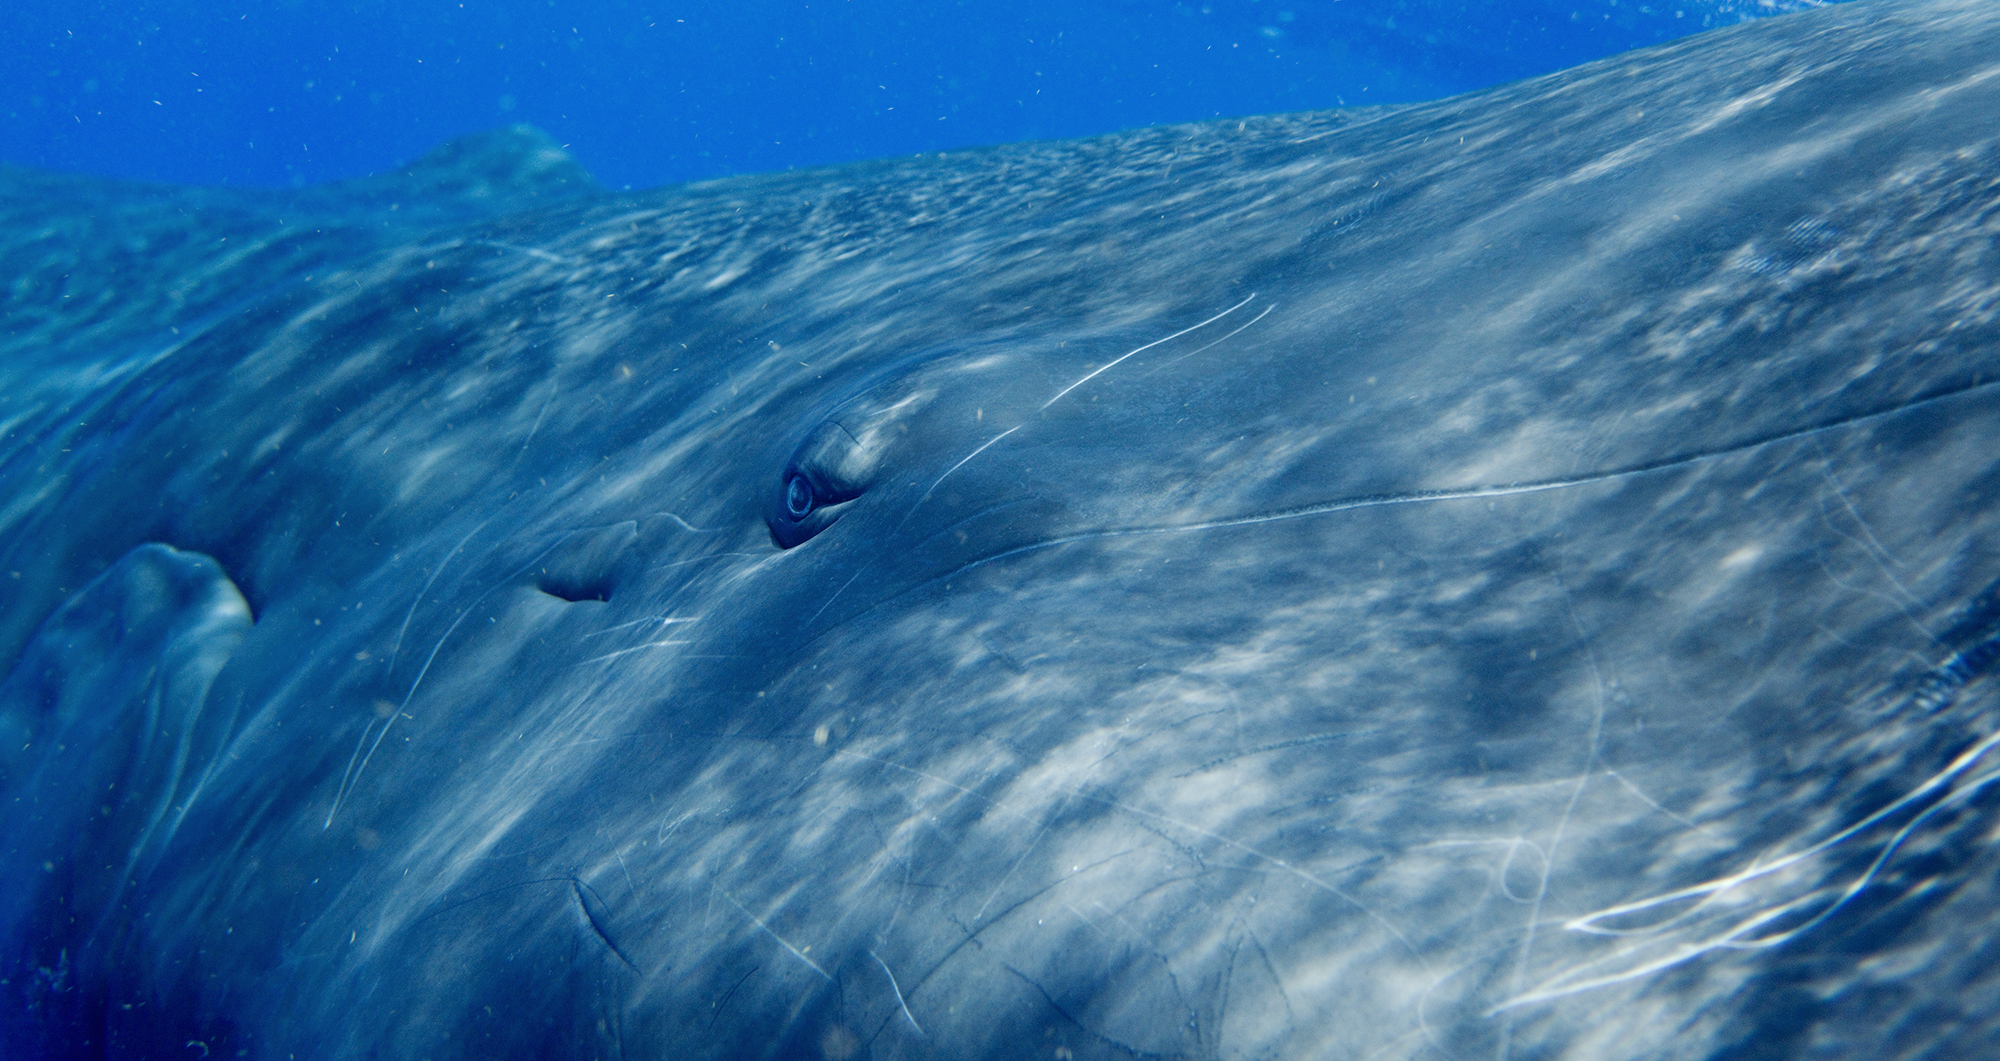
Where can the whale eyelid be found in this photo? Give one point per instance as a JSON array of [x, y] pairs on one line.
[[822, 473]]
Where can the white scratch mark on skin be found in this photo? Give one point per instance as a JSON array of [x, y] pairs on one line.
[[899, 993], [836, 596], [348, 783], [968, 457], [1272, 860], [1899, 603], [1108, 365], [1226, 338], [1009, 875], [704, 559], [1276, 863], [671, 829], [1515, 845], [532, 430], [635, 648], [1840, 491], [1131, 929], [928, 776], [1653, 803], [663, 620], [422, 593], [1494, 490], [1737, 934], [1562, 823], [1872, 547], [1422, 1030], [341, 791], [927, 494], [796, 953], [1093, 925], [530, 251], [685, 525]]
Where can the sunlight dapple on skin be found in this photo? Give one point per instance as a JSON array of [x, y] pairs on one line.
[[1493, 578]]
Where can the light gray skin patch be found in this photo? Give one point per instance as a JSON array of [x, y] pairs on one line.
[[1504, 578]]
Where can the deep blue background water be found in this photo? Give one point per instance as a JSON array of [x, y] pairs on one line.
[[285, 92]]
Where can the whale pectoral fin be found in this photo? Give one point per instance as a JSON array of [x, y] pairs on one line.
[[98, 737]]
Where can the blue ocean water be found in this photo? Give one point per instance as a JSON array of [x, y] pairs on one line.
[[650, 92]]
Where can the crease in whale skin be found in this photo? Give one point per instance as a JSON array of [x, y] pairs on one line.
[[1508, 577]]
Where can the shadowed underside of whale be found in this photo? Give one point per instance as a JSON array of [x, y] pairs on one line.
[[1511, 577]]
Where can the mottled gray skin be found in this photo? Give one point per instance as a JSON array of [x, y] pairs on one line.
[[1503, 578]]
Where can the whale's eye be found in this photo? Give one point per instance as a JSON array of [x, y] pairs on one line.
[[827, 470], [798, 497]]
